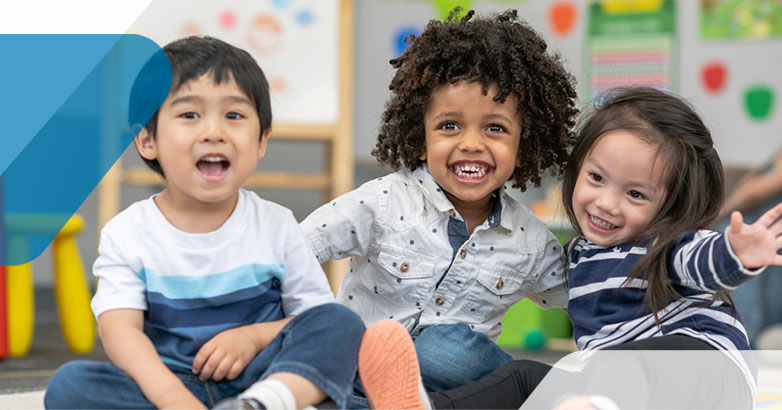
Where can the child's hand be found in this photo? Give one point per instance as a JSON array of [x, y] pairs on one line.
[[757, 245], [225, 355]]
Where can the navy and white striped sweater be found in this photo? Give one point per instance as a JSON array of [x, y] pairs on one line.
[[606, 311]]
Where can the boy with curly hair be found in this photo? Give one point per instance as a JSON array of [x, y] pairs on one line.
[[438, 245]]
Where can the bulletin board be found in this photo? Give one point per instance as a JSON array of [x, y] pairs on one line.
[[725, 59], [630, 43], [296, 43]]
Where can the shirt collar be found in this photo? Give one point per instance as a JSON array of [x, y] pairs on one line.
[[499, 215]]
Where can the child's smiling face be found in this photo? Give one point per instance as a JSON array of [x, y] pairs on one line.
[[208, 141], [472, 141], [619, 189]]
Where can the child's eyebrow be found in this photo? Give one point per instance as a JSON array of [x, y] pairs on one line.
[[240, 99], [498, 116], [446, 114]]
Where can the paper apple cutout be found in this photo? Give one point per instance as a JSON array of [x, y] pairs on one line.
[[758, 101], [714, 76], [562, 17]]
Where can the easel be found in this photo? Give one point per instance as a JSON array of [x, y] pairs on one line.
[[336, 179]]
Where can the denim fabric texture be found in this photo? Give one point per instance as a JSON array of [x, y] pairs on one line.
[[321, 345]]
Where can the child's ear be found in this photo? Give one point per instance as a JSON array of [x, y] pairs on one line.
[[518, 161], [264, 140], [146, 145], [423, 155]]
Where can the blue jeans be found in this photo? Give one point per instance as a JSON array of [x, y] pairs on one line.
[[320, 344], [449, 356]]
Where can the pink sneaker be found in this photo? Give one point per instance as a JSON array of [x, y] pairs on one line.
[[388, 367]]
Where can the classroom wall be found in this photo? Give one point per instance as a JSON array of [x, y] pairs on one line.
[[742, 142]]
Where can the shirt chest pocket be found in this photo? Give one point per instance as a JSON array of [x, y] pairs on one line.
[[404, 274], [494, 291]]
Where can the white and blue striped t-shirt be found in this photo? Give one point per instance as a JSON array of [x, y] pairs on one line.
[[257, 267]]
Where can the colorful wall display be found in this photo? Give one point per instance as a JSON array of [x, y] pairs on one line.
[[630, 43], [741, 19], [294, 41], [562, 17], [714, 76]]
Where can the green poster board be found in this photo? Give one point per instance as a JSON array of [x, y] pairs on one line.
[[739, 19], [630, 43]]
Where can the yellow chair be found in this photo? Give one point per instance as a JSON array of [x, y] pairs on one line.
[[71, 288]]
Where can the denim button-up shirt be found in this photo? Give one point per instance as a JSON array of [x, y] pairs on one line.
[[412, 260]]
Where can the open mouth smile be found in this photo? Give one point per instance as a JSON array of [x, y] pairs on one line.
[[601, 224], [470, 171], [213, 167]]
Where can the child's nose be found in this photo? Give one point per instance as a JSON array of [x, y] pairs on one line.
[[213, 132], [471, 141], [608, 203]]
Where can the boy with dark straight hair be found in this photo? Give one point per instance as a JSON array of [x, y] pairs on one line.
[[208, 292]]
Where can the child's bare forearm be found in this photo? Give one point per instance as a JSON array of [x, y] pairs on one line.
[[131, 350], [264, 333]]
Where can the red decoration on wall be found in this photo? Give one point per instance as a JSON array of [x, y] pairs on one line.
[[714, 76], [228, 20], [562, 17]]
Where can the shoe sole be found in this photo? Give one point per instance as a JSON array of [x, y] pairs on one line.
[[388, 367]]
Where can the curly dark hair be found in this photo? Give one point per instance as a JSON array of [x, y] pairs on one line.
[[501, 50]]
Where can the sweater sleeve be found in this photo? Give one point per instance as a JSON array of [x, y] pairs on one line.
[[704, 260]]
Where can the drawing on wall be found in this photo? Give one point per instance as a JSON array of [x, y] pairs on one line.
[[759, 101], [562, 17], [398, 44], [630, 43], [444, 7], [714, 76], [294, 41], [741, 19]]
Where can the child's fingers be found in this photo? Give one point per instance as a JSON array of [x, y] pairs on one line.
[[777, 260], [211, 365], [236, 369], [776, 228], [203, 354], [770, 216], [222, 369], [736, 222]]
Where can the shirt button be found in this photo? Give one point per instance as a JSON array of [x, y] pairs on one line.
[[452, 213], [404, 267], [500, 284], [463, 254], [439, 301]]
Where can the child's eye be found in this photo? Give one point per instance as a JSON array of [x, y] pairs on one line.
[[496, 128], [595, 177], [635, 194], [448, 126], [190, 115], [234, 116]]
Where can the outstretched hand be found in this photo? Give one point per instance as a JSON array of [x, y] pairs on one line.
[[756, 245]]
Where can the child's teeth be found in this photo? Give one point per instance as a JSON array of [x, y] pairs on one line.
[[601, 223], [470, 171]]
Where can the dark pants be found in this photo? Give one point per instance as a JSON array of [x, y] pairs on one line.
[[635, 374], [321, 345]]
